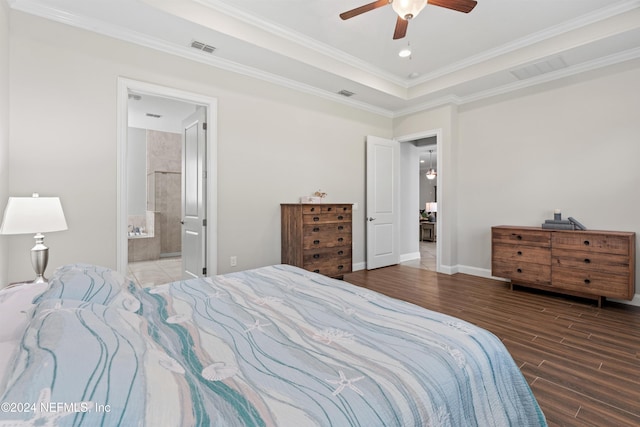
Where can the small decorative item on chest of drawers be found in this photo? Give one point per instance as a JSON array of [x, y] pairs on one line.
[[592, 264], [317, 237]]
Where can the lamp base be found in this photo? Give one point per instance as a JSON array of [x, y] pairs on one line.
[[39, 258]]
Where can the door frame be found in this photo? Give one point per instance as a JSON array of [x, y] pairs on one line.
[[124, 86], [439, 191]]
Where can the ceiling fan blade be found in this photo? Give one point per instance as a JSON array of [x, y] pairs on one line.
[[401, 28], [362, 9], [465, 6]]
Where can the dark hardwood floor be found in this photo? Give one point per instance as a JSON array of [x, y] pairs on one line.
[[582, 362]]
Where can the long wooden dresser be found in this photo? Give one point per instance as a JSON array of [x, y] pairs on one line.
[[591, 264], [317, 237]]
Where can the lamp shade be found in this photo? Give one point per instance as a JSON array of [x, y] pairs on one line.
[[431, 207], [25, 215], [408, 9]]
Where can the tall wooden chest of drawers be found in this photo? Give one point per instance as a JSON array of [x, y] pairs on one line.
[[317, 237], [592, 264]]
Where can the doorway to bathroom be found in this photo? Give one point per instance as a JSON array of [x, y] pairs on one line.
[[154, 162], [158, 125]]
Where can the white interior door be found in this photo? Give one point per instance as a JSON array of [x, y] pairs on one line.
[[383, 156], [194, 214]]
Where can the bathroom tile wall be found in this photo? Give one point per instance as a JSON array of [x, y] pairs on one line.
[[164, 157]]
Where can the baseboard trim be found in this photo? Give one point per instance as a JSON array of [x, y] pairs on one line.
[[358, 266], [409, 256]]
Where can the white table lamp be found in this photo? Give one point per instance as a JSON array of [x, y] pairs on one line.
[[26, 215], [431, 207]]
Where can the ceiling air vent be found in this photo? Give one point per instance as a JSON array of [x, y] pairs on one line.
[[538, 68], [203, 47], [346, 93], [155, 116]]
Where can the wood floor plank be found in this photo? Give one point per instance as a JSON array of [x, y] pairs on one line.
[[582, 362]]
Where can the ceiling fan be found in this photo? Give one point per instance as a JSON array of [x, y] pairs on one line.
[[408, 9]]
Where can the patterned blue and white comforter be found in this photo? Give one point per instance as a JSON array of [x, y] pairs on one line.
[[274, 346]]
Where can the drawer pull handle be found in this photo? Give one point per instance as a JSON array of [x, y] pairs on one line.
[[329, 209], [587, 281], [316, 271], [315, 218], [519, 252], [341, 227], [316, 242], [340, 217], [340, 239], [519, 237], [316, 229], [340, 267], [587, 261], [586, 243], [316, 256], [312, 209], [519, 270], [340, 252]]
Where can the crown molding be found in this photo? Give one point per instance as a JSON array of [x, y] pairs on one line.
[[100, 27], [584, 67], [303, 40], [530, 40], [140, 39]]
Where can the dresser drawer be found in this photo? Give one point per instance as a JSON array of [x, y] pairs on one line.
[[591, 282], [324, 235], [521, 236], [321, 218], [592, 242], [591, 261], [322, 260], [521, 253], [319, 208], [522, 272], [331, 269]]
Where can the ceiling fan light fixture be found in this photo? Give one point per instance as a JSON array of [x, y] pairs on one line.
[[405, 53], [408, 9]]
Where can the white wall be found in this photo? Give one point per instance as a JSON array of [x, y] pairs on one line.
[[274, 144], [137, 171], [427, 188], [4, 133], [409, 200], [571, 145]]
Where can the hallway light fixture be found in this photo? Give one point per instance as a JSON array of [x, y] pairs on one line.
[[431, 172]]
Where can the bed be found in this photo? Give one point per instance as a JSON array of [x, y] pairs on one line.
[[273, 346]]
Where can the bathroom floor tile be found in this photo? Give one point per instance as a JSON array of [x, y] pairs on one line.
[[156, 272]]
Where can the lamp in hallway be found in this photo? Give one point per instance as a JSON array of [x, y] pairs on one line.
[[35, 214], [431, 208]]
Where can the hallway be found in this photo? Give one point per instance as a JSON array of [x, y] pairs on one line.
[[427, 259]]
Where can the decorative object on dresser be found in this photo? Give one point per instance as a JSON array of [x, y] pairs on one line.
[[557, 223], [591, 264], [317, 237]]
